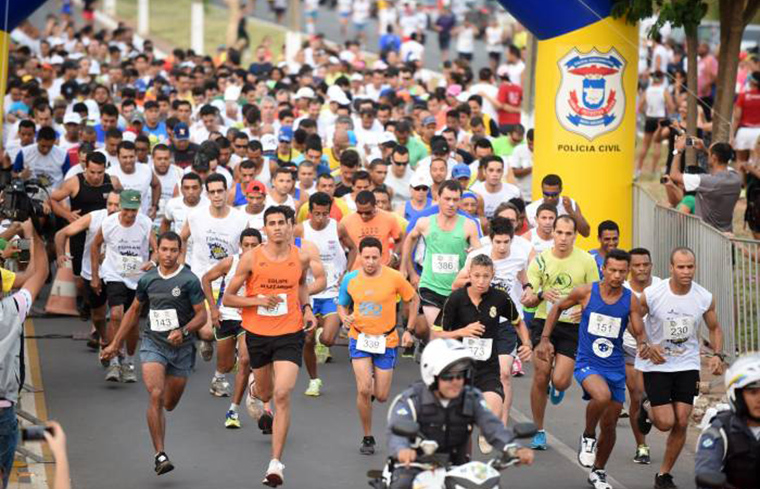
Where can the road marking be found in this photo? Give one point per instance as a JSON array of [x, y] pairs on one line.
[[561, 448]]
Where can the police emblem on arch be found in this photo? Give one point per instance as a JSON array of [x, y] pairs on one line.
[[176, 291], [590, 100]]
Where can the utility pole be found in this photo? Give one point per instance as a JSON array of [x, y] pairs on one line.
[[293, 36], [143, 16], [196, 27]]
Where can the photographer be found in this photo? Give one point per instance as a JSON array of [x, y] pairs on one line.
[[716, 193], [13, 312]]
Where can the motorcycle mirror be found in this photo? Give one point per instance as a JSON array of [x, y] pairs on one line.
[[711, 480], [405, 428], [524, 430]]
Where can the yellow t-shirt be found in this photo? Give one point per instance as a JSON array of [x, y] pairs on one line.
[[8, 278], [562, 274]]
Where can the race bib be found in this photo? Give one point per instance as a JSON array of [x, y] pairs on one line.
[[279, 310], [163, 320], [480, 347], [129, 265], [371, 343], [605, 326], [679, 329], [445, 263]]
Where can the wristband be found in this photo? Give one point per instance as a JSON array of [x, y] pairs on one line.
[[303, 308], [540, 295], [527, 285], [722, 356]]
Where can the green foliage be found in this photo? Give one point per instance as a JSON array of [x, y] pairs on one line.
[[680, 13]]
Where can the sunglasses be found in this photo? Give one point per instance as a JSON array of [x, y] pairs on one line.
[[422, 188], [365, 213], [452, 376], [551, 194], [400, 163]]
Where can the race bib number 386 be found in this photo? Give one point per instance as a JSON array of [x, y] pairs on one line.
[[445, 263]]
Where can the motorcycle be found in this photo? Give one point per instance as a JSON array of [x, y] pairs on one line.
[[436, 470], [711, 480]]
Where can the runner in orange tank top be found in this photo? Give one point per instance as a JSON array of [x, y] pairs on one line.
[[276, 313]]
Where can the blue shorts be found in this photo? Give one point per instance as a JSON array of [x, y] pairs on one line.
[[615, 380], [324, 307], [359, 26], [312, 14], [178, 361], [386, 361], [344, 15]]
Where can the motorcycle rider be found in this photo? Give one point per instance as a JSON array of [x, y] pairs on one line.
[[731, 443], [447, 408]]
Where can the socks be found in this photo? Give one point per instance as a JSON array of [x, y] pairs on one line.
[[234, 407], [129, 359], [114, 361], [220, 375]]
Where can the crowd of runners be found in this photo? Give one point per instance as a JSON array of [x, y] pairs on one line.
[[255, 217]]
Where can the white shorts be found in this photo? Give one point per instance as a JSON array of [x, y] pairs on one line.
[[746, 137]]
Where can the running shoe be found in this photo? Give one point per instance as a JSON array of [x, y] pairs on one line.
[[93, 342], [315, 386], [273, 477], [645, 425], [163, 464], [642, 455], [266, 421], [220, 387], [368, 445], [232, 420], [598, 479], [624, 414], [254, 406], [587, 451], [128, 373], [113, 373], [485, 447], [664, 481], [555, 396], [206, 349], [539, 440]]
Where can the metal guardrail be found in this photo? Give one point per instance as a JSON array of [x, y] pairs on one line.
[[726, 266]]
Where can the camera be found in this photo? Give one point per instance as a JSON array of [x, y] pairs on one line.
[[24, 255], [664, 179], [18, 203], [689, 141], [34, 433]]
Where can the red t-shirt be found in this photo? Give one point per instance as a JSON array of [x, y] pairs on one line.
[[750, 105], [511, 94]]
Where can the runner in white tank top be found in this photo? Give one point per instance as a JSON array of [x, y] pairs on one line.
[[140, 179], [655, 101], [127, 249], [169, 179], [539, 244], [332, 254]]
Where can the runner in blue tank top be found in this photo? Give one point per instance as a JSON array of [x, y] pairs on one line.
[[608, 309]]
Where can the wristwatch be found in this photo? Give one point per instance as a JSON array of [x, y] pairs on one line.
[[185, 332], [303, 308], [676, 152]]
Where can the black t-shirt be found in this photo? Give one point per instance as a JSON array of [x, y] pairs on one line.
[[184, 158], [342, 189], [178, 292], [259, 69]]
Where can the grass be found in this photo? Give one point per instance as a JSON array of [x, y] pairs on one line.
[[170, 24]]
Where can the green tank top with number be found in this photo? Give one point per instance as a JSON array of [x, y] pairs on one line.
[[445, 255]]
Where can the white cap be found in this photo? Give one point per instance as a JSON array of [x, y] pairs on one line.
[[128, 136], [336, 94], [421, 177], [72, 118], [268, 142], [333, 60], [386, 137], [305, 92], [232, 93], [56, 59], [357, 77], [502, 71], [379, 65]]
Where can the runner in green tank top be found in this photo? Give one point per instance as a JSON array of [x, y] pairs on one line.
[[445, 255]]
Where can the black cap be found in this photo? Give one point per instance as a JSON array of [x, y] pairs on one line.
[[440, 147], [70, 89]]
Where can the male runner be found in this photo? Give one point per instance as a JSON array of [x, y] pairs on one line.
[[169, 177], [129, 174], [176, 312], [215, 230], [368, 220], [275, 312], [674, 309], [331, 239], [608, 234], [609, 309], [476, 314], [226, 322], [128, 239], [551, 277], [179, 207], [367, 305], [494, 190], [255, 194], [283, 184], [542, 236]]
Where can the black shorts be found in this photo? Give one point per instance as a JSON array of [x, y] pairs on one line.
[[564, 337], [651, 124], [444, 42], [466, 56], [487, 377], [506, 340], [495, 56], [119, 295], [228, 328], [263, 350], [76, 248], [430, 298], [669, 387], [94, 300]]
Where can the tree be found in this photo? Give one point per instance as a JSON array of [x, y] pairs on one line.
[[679, 13]]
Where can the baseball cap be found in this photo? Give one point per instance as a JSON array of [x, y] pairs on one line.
[[502, 71], [421, 178], [386, 138], [130, 199], [440, 147], [428, 120], [460, 170], [232, 93], [268, 143], [72, 118], [255, 186], [286, 134], [137, 117], [454, 90], [181, 132], [56, 59], [305, 92], [337, 95], [70, 89]]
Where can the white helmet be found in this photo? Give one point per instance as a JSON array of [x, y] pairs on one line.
[[744, 372], [440, 354]]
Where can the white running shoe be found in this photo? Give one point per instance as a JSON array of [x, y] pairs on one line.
[[128, 373], [485, 447], [220, 387], [598, 479], [315, 388], [273, 477], [587, 451], [253, 404]]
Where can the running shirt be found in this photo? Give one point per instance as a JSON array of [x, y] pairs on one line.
[[214, 239], [539, 244], [383, 226], [231, 313], [445, 255], [673, 323], [90, 198], [506, 269], [50, 167], [279, 278], [492, 200], [139, 180], [562, 274], [628, 339], [289, 201], [176, 212], [654, 97], [374, 302], [170, 300], [411, 213], [168, 182], [96, 221], [532, 208], [600, 335], [127, 249], [332, 255]]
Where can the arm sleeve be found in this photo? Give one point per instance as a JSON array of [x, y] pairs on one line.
[[400, 409], [344, 298], [710, 451], [592, 271], [691, 182], [18, 164], [510, 311], [395, 228]]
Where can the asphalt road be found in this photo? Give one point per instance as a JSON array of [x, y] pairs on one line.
[[109, 444]]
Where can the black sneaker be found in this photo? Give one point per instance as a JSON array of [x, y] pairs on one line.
[[642, 420], [265, 422], [163, 464], [664, 481], [368, 445]]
